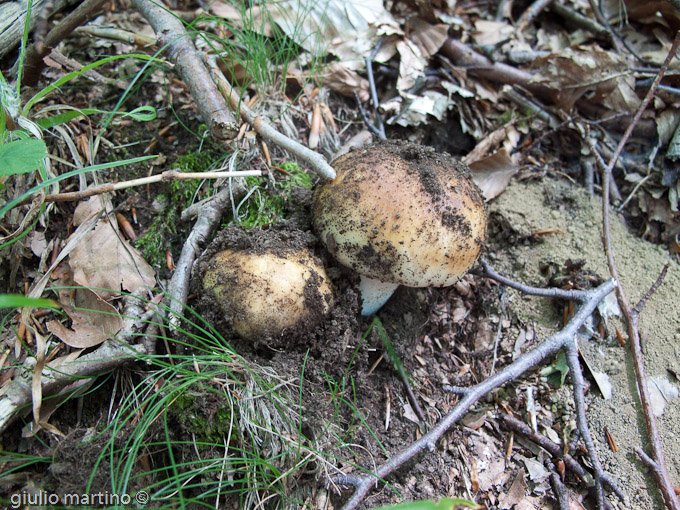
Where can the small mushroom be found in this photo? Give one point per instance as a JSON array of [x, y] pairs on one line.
[[265, 294], [400, 214]]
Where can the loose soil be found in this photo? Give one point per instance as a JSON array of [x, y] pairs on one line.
[[526, 208]]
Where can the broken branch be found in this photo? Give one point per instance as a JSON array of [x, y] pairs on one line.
[[315, 160], [172, 35], [552, 344], [631, 315], [209, 213], [57, 375]]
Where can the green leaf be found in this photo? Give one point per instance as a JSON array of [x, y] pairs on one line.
[[21, 156], [19, 301], [442, 504]]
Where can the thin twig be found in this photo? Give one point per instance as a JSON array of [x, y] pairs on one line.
[[579, 386], [552, 344], [477, 64], [531, 13], [578, 295], [580, 20], [364, 116], [643, 300], [315, 160], [631, 316], [169, 175], [560, 491], [555, 450], [34, 64], [374, 92]]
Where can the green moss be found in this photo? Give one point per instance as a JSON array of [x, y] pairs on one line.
[[266, 205], [178, 195], [155, 241], [205, 418]]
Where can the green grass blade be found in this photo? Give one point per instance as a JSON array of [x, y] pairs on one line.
[[48, 182], [74, 74], [19, 301]]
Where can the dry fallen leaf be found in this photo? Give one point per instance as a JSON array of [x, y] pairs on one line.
[[588, 71], [340, 78], [94, 320], [411, 65], [516, 493], [491, 32], [104, 260], [493, 173], [429, 38]]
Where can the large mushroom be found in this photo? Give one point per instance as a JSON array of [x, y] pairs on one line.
[[400, 214], [266, 293]]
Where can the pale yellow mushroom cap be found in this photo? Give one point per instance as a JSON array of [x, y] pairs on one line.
[[266, 294], [401, 213]]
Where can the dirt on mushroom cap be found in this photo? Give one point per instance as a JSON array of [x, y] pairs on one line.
[[422, 220], [283, 240], [267, 294]]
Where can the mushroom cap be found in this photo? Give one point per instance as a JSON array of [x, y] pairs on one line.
[[265, 294], [400, 212]]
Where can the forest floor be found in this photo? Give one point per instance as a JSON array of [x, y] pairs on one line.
[[270, 423]]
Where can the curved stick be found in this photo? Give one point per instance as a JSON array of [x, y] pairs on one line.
[[552, 344]]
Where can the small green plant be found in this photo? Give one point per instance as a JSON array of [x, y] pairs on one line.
[[22, 129], [556, 373], [377, 324], [264, 206]]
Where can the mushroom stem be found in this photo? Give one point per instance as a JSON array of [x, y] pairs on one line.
[[374, 294]]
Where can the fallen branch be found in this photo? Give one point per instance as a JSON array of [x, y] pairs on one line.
[[315, 160], [632, 314], [470, 396], [209, 213], [171, 35], [33, 64], [57, 375]]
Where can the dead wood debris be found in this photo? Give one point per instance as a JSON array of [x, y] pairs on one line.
[[173, 37], [565, 339], [657, 461], [264, 128], [111, 354]]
